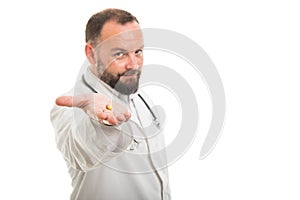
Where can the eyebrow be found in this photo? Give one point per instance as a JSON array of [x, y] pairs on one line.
[[117, 49], [121, 49]]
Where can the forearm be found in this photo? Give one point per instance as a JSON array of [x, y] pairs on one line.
[[85, 143]]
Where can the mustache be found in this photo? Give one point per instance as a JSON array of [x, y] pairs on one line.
[[131, 72]]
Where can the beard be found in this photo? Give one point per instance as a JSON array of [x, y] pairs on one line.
[[125, 83]]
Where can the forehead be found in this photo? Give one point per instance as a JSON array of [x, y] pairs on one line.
[[125, 36], [112, 28]]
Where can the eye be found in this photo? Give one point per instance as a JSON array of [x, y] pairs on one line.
[[119, 54], [139, 52]]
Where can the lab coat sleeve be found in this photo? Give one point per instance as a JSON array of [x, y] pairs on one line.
[[85, 143]]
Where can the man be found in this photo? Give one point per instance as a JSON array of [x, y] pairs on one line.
[[104, 127]]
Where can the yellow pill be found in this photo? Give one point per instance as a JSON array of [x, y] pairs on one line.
[[108, 107]]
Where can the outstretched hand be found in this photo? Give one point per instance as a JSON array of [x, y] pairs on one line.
[[96, 106]]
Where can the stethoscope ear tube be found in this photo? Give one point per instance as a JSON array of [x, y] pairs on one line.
[[152, 113]]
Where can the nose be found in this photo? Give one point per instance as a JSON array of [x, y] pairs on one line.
[[132, 62]]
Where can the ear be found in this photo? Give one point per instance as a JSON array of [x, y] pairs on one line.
[[90, 54]]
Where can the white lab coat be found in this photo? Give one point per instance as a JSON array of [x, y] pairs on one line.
[[104, 162]]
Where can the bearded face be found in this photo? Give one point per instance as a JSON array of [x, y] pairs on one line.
[[120, 56]]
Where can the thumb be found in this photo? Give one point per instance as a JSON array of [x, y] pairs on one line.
[[70, 101], [64, 101]]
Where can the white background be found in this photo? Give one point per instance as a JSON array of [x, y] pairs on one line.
[[255, 46]]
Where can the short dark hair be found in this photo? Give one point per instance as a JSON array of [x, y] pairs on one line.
[[96, 22]]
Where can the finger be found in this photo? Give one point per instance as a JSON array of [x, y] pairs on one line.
[[64, 101], [107, 118], [120, 118], [102, 115], [70, 101], [112, 119], [127, 115]]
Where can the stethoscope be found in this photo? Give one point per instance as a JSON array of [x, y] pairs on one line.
[[154, 118]]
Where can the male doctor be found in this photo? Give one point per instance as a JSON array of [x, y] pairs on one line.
[[104, 127]]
